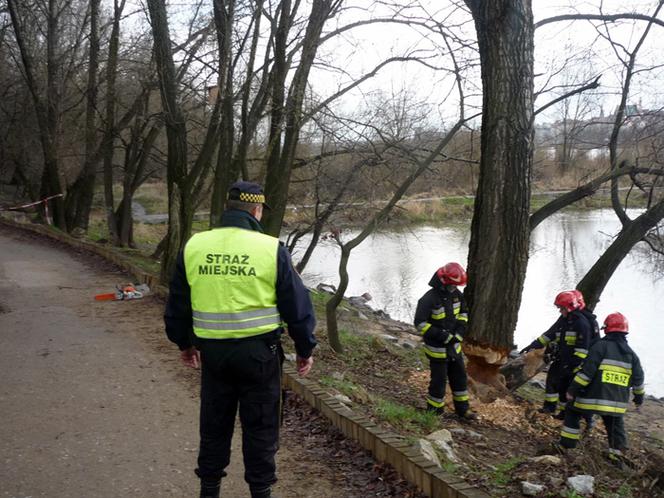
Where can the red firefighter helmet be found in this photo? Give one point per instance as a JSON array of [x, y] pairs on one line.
[[616, 322], [579, 299], [452, 274], [567, 300]]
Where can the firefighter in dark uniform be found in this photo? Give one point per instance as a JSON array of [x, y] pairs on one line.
[[558, 377], [441, 317], [602, 386], [233, 291], [573, 344], [551, 341]]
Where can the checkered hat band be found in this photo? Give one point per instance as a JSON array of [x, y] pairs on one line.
[[255, 198]]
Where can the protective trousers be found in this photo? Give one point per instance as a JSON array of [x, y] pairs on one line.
[[552, 387], [565, 380], [455, 370], [244, 373], [571, 431]]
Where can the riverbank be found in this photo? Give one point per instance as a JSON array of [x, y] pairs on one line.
[[382, 377]]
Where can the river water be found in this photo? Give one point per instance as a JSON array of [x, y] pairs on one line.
[[395, 268]]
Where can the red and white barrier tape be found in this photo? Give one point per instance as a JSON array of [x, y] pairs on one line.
[[32, 203]]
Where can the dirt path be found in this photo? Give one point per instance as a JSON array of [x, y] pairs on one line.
[[93, 401]]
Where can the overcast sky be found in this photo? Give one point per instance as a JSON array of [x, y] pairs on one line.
[[579, 42]]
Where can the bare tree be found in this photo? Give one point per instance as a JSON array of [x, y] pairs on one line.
[[80, 194], [47, 90]]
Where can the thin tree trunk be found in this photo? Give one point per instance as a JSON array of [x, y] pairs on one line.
[[47, 111], [82, 192], [108, 145], [179, 225], [280, 164], [334, 302], [224, 174]]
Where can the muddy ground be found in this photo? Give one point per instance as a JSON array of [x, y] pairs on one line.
[[494, 452], [95, 403]]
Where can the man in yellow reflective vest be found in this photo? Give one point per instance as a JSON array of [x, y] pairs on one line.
[[233, 291], [602, 386]]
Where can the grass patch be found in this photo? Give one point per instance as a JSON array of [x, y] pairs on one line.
[[405, 417], [357, 347], [153, 197], [319, 299], [625, 491], [501, 476], [342, 385]]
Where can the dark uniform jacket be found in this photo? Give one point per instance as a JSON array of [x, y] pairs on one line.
[[608, 373], [574, 340], [293, 300], [551, 336], [441, 316]]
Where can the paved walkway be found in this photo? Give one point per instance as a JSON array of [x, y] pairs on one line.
[[93, 400]]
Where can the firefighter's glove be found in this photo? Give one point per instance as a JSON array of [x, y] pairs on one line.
[[638, 399], [436, 335]]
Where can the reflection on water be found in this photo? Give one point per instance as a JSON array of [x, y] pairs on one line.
[[395, 268]]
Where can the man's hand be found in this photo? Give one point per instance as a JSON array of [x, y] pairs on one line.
[[304, 365], [525, 350], [191, 357], [569, 396]]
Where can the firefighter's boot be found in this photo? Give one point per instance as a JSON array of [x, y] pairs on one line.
[[435, 409], [262, 493], [468, 415], [210, 489]]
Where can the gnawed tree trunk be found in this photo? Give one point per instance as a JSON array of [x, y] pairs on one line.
[[498, 254]]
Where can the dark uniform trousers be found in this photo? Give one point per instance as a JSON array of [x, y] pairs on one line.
[[565, 381], [614, 424], [552, 387], [245, 372], [452, 368]]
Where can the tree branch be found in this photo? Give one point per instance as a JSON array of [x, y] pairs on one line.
[[598, 17], [590, 86]]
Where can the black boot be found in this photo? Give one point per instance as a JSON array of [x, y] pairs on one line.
[[435, 409], [210, 489], [262, 493]]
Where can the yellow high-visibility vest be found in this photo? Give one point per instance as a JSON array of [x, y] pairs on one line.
[[232, 273]]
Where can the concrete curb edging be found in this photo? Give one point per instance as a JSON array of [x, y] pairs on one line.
[[385, 446]]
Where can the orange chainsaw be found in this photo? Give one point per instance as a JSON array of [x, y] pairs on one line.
[[123, 293]]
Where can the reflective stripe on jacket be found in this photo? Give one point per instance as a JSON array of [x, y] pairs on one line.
[[232, 273], [441, 317], [608, 373], [575, 340]]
